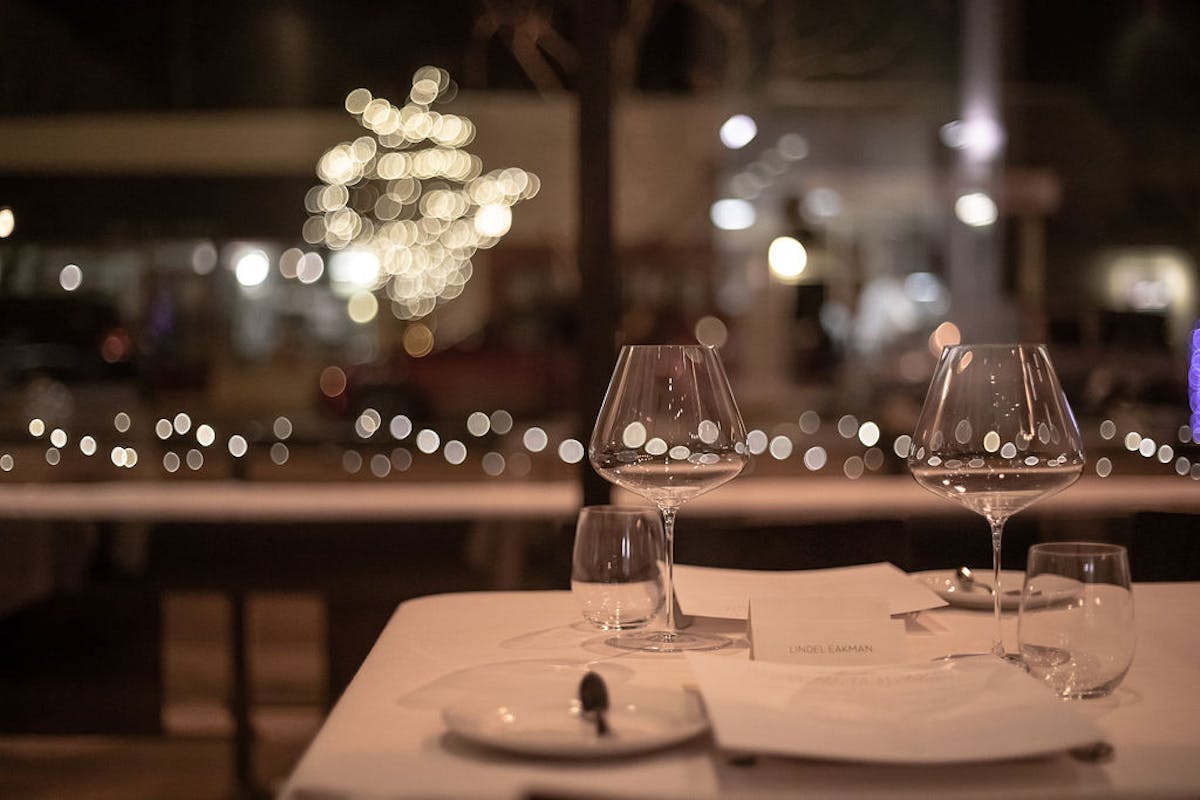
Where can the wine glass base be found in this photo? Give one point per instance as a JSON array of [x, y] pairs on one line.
[[1011, 658], [668, 641]]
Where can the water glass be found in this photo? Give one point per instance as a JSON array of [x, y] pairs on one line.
[[616, 573], [1075, 626]]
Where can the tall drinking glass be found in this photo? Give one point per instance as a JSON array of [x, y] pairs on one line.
[[996, 434], [669, 430]]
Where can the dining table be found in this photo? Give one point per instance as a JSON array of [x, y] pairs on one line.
[[386, 737]]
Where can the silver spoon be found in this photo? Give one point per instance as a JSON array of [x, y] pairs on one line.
[[593, 700], [967, 580]]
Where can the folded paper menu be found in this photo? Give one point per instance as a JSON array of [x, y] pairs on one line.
[[960, 710], [712, 592]]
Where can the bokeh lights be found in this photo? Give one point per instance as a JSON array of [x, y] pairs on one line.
[[402, 218]]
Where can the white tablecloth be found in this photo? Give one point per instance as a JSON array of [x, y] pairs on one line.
[[385, 737]]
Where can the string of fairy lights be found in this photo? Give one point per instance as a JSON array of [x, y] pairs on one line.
[[491, 445]]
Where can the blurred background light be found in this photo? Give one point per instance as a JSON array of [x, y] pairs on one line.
[[428, 441], [976, 209], [981, 139], [71, 277], [362, 307], [332, 381], [400, 426], [738, 131], [205, 435], [401, 459], [924, 287], [535, 440], [252, 268], [711, 331], [732, 214], [787, 259], [7, 222], [493, 219], [418, 340], [354, 269], [793, 146], [204, 258], [501, 420], [478, 423], [823, 203], [571, 451], [493, 464], [381, 465], [310, 268], [780, 448], [455, 452], [289, 262]]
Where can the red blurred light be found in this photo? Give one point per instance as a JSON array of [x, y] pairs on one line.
[[116, 346]]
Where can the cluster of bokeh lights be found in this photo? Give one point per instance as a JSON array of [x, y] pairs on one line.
[[406, 205], [495, 444]]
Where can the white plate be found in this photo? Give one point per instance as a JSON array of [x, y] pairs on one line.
[[530, 723], [942, 582]]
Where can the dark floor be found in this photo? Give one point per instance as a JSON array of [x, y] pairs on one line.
[[191, 756]]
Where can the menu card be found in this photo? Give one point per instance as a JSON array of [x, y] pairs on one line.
[[713, 592], [960, 710]]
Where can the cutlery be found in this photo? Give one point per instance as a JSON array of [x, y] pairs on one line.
[[593, 698], [967, 581]]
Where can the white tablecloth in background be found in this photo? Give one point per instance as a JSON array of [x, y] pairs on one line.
[[385, 737]]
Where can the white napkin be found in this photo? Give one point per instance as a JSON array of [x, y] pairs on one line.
[[712, 592], [961, 710]]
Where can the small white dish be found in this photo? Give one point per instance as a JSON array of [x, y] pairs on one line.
[[531, 723], [947, 587]]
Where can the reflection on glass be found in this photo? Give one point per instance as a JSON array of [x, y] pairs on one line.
[[996, 434]]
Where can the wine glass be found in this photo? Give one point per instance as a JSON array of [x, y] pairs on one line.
[[996, 434], [669, 430]]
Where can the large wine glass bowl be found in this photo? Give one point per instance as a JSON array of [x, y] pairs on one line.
[[668, 430], [996, 434]]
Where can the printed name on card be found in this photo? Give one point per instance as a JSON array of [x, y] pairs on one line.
[[829, 630]]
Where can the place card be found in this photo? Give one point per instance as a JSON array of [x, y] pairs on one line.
[[825, 630], [717, 592]]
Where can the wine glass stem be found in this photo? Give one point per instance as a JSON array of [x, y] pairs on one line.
[[997, 526], [668, 518]]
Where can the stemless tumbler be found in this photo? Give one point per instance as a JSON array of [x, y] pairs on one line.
[[616, 575], [1075, 626]]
